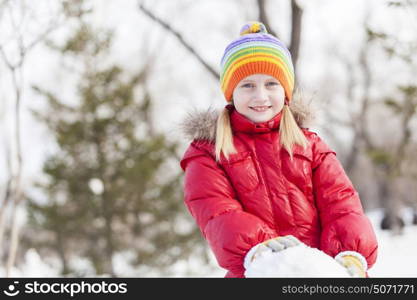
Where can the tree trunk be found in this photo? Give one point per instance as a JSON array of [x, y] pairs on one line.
[[296, 25], [263, 18], [391, 219]]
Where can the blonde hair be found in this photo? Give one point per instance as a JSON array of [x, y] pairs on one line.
[[224, 135], [290, 133]]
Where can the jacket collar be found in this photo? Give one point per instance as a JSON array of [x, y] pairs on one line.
[[240, 123], [201, 124]]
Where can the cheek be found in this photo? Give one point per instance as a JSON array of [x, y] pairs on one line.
[[281, 92], [278, 102], [279, 98], [240, 98]]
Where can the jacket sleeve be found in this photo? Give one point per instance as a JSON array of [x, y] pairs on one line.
[[345, 227], [211, 200]]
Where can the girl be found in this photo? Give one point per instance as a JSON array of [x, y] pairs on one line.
[[257, 180]]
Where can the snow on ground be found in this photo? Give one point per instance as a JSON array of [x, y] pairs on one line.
[[396, 253], [396, 258], [33, 266]]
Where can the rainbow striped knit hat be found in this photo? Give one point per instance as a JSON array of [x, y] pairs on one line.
[[256, 51]]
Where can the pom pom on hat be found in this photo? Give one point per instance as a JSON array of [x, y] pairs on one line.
[[256, 51], [253, 27]]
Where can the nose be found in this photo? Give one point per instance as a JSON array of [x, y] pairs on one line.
[[260, 94]]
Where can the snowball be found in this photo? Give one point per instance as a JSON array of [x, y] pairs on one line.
[[298, 261]]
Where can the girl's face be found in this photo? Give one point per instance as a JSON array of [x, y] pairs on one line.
[[259, 97]]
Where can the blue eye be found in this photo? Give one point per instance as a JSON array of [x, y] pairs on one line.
[[247, 85], [272, 83]]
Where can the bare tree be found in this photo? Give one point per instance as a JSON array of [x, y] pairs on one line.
[[295, 32], [388, 160], [263, 17], [15, 12], [406, 110], [296, 26], [6, 196], [181, 39], [359, 119]]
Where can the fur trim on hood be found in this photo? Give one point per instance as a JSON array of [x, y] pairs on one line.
[[201, 124]]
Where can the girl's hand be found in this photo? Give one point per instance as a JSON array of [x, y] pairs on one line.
[[282, 242], [276, 244], [354, 263]]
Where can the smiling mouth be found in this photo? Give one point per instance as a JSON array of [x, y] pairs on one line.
[[260, 108]]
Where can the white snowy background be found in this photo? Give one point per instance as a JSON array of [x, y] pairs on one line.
[[327, 24]]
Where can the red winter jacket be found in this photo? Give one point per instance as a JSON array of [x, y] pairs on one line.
[[260, 194]]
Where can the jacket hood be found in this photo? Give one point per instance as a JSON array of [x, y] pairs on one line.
[[201, 124]]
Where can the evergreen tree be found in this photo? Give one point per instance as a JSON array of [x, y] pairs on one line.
[[110, 187]]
